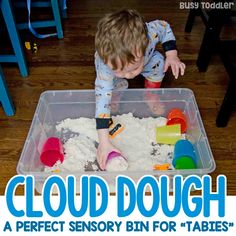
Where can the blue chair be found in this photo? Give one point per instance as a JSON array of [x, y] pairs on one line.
[[18, 55], [7, 12], [63, 8], [5, 98], [56, 6]]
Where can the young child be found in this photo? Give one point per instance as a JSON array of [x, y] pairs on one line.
[[125, 47]]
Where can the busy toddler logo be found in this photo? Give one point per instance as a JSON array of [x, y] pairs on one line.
[[206, 5], [94, 210]]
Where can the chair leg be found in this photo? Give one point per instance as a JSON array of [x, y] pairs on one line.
[[15, 40], [206, 49], [63, 7], [5, 98], [192, 14], [57, 18], [190, 21], [227, 105], [230, 95], [211, 38]]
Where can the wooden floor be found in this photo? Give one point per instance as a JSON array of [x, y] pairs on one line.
[[68, 64]]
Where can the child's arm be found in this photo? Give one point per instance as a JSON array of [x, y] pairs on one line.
[[104, 148], [161, 32], [103, 93]]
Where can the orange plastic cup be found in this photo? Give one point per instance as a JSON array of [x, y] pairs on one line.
[[52, 152], [176, 116]]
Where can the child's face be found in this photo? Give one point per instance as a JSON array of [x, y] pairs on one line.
[[130, 70]]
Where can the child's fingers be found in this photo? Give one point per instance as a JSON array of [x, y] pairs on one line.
[[104, 160], [100, 162], [182, 68], [166, 66], [175, 70]]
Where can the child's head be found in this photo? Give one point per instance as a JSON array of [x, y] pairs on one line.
[[121, 41]]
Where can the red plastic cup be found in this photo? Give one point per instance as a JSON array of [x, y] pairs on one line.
[[176, 116], [52, 152]]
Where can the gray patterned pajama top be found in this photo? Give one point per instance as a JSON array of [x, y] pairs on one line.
[[158, 31]]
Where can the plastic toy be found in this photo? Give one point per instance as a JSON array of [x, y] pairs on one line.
[[184, 155], [116, 162], [31, 46], [161, 167], [184, 162], [113, 154], [168, 134], [176, 116], [110, 122], [116, 130], [52, 152]]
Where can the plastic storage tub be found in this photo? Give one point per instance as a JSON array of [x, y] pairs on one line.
[[54, 106]]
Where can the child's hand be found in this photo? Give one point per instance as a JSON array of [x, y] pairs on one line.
[[173, 61], [104, 149]]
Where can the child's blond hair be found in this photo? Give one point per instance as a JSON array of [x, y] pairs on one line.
[[121, 36]]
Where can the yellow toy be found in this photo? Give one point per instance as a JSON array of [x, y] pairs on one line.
[[115, 130], [31, 46]]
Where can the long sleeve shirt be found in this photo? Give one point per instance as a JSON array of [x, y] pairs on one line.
[[158, 32]]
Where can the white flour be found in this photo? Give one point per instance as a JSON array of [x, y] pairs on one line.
[[137, 142], [117, 164]]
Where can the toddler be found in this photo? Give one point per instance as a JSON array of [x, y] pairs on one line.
[[125, 47]]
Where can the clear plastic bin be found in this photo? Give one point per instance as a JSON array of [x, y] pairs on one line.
[[54, 106]]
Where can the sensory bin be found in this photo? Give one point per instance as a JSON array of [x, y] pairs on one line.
[[56, 107]]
